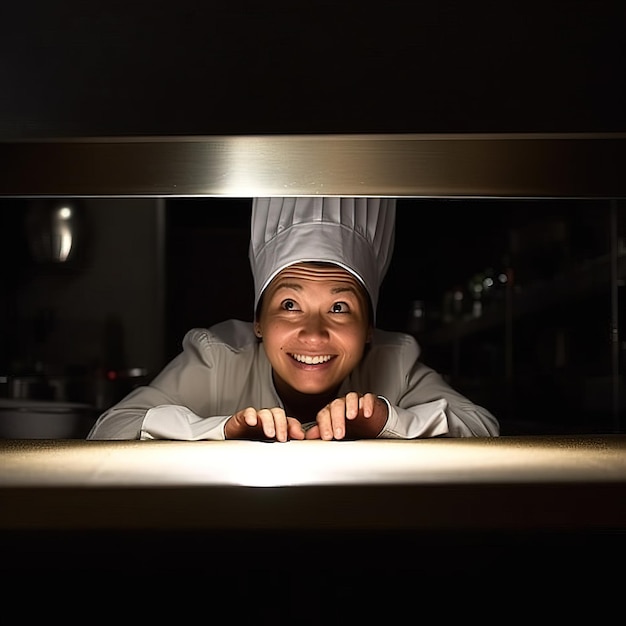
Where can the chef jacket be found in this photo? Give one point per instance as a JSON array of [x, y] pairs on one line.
[[224, 369]]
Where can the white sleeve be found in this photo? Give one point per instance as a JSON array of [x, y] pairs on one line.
[[425, 420], [420, 402], [171, 421]]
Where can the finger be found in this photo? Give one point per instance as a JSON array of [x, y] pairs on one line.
[[250, 416], [338, 417], [294, 429], [267, 423], [368, 403], [352, 405], [313, 433], [280, 423], [324, 423]]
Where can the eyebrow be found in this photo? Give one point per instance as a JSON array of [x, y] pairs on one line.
[[296, 286], [344, 289]]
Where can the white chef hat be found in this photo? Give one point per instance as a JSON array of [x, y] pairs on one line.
[[356, 234]]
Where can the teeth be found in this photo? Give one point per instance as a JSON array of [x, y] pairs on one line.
[[311, 360]]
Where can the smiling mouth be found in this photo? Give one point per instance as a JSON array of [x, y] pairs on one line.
[[312, 360]]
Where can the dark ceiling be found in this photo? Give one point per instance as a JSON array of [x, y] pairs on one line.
[[188, 67]]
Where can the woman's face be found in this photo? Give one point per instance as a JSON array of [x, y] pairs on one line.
[[315, 324]]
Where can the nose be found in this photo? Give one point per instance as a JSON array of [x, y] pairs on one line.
[[314, 329]]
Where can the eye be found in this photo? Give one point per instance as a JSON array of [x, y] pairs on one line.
[[289, 305], [340, 307]]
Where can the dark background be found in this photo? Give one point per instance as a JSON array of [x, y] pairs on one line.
[[200, 68], [542, 360], [189, 67], [148, 67]]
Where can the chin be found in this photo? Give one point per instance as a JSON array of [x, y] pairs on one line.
[[313, 390]]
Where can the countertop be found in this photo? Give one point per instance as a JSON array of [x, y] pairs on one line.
[[516, 512], [547, 482]]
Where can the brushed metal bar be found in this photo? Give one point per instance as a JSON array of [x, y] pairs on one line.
[[577, 165]]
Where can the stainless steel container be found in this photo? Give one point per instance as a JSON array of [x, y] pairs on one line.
[[41, 419]]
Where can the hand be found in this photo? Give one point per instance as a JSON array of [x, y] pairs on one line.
[[351, 417], [251, 423]]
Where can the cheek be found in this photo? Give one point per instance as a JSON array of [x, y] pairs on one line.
[[274, 333], [356, 340]]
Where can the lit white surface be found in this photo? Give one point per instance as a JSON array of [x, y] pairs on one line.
[[262, 464]]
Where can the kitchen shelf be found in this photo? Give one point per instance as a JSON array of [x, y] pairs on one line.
[[590, 277]]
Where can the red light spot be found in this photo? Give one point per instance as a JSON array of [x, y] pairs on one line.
[[111, 374]]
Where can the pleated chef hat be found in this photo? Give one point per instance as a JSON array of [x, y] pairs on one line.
[[355, 233]]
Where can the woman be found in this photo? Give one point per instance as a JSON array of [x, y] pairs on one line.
[[312, 365]]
